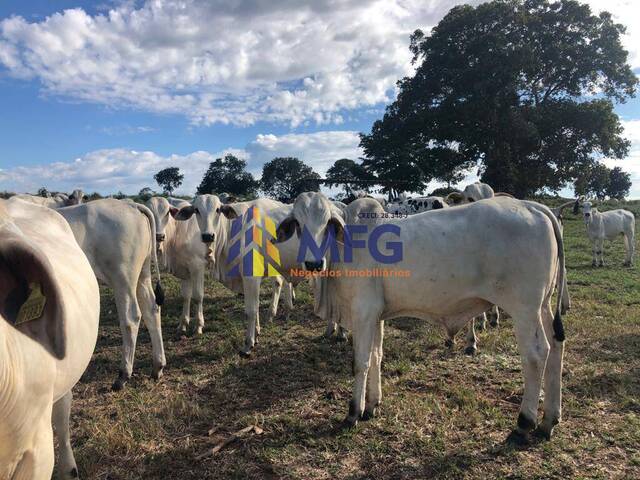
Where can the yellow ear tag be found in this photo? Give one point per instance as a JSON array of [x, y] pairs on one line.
[[33, 307]]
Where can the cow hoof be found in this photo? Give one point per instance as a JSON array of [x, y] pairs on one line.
[[73, 473], [244, 353], [349, 423], [594, 264], [448, 343], [470, 351], [118, 385], [518, 438], [157, 373], [341, 337], [542, 433], [369, 414], [494, 323]]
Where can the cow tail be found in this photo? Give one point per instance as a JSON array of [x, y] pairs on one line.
[[558, 327], [158, 291]]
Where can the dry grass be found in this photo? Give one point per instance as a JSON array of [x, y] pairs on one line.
[[445, 415]]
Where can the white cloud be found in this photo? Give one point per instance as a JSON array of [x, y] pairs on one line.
[[219, 61], [111, 170]]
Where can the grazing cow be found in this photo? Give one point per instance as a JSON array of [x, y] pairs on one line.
[[450, 284], [213, 220], [609, 225], [49, 309], [471, 193], [118, 239], [183, 254]]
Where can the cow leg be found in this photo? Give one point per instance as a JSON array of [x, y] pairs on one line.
[[552, 405], [151, 318], [251, 287], [629, 249], [534, 350], [277, 289], [198, 296], [365, 326], [601, 251], [67, 467], [471, 339], [594, 262], [186, 289], [494, 316], [289, 295], [129, 314], [374, 382], [37, 463]]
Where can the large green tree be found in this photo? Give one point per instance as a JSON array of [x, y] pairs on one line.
[[228, 175], [351, 175], [522, 89], [284, 178], [619, 183], [169, 179]]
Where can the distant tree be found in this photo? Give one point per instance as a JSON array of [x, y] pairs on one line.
[[351, 175], [119, 195], [169, 179], [43, 192], [145, 193], [619, 183], [593, 181], [285, 178], [228, 175], [95, 196], [507, 86]]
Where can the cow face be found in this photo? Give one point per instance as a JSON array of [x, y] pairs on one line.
[[587, 212], [315, 217], [77, 197], [162, 213], [208, 210]]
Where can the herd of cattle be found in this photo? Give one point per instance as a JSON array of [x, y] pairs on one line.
[[468, 254]]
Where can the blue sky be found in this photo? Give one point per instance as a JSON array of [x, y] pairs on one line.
[[101, 95]]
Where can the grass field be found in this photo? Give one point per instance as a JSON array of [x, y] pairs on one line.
[[444, 414]]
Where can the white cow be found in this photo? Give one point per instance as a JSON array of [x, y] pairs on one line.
[[57, 201], [609, 225], [118, 238], [471, 193], [49, 308], [184, 255], [77, 197], [213, 220], [449, 283]]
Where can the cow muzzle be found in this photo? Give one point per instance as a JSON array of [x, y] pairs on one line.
[[159, 237], [314, 266], [208, 237]]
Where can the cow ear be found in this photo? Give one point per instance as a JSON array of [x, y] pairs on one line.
[[30, 299], [185, 213], [285, 229], [337, 226], [228, 211], [455, 198]]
